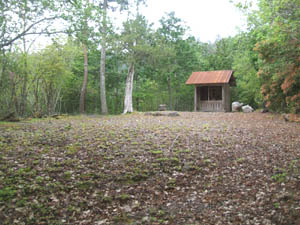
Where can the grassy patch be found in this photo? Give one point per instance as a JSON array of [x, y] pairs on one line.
[[7, 193]]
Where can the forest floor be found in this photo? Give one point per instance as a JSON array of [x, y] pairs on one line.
[[197, 168]]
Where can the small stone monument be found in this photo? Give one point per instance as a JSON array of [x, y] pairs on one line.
[[162, 107]]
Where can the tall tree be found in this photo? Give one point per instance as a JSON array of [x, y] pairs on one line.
[[85, 56], [81, 14], [122, 4], [136, 41], [23, 104], [102, 60], [171, 31], [85, 80]]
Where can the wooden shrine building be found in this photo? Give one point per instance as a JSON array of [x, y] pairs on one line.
[[212, 90]]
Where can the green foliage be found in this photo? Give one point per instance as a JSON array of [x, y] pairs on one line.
[[7, 193], [53, 69], [135, 39], [265, 58], [278, 53], [156, 152], [145, 95], [245, 67], [175, 58], [18, 18], [124, 197], [280, 177]]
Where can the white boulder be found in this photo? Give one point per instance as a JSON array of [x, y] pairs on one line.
[[236, 106], [247, 109]]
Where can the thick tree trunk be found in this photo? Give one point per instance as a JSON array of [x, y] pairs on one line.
[[85, 80], [128, 90], [102, 62]]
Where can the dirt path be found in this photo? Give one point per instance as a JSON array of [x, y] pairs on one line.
[[198, 168]]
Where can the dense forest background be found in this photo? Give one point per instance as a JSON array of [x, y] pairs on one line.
[[92, 67]]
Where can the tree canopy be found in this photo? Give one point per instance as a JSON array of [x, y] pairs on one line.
[[155, 61]]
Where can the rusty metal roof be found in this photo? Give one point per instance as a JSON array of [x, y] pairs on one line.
[[210, 77]]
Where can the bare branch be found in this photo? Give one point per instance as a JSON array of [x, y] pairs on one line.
[[25, 32]]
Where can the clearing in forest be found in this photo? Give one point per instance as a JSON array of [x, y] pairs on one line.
[[198, 168]]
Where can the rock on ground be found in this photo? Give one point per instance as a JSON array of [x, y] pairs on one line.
[[236, 106], [247, 109]]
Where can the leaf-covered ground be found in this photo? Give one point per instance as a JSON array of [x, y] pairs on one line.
[[198, 168]]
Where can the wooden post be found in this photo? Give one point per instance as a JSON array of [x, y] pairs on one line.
[[224, 98], [195, 99], [227, 94], [208, 95]]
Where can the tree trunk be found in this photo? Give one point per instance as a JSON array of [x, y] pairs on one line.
[[137, 100], [23, 103], [170, 93], [117, 101], [37, 110], [85, 58], [85, 80], [14, 101], [128, 90], [102, 62], [102, 80], [3, 63]]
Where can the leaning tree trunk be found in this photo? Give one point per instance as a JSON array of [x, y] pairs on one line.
[[102, 62], [85, 80], [128, 90]]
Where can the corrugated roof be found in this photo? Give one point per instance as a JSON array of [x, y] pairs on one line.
[[210, 77]]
